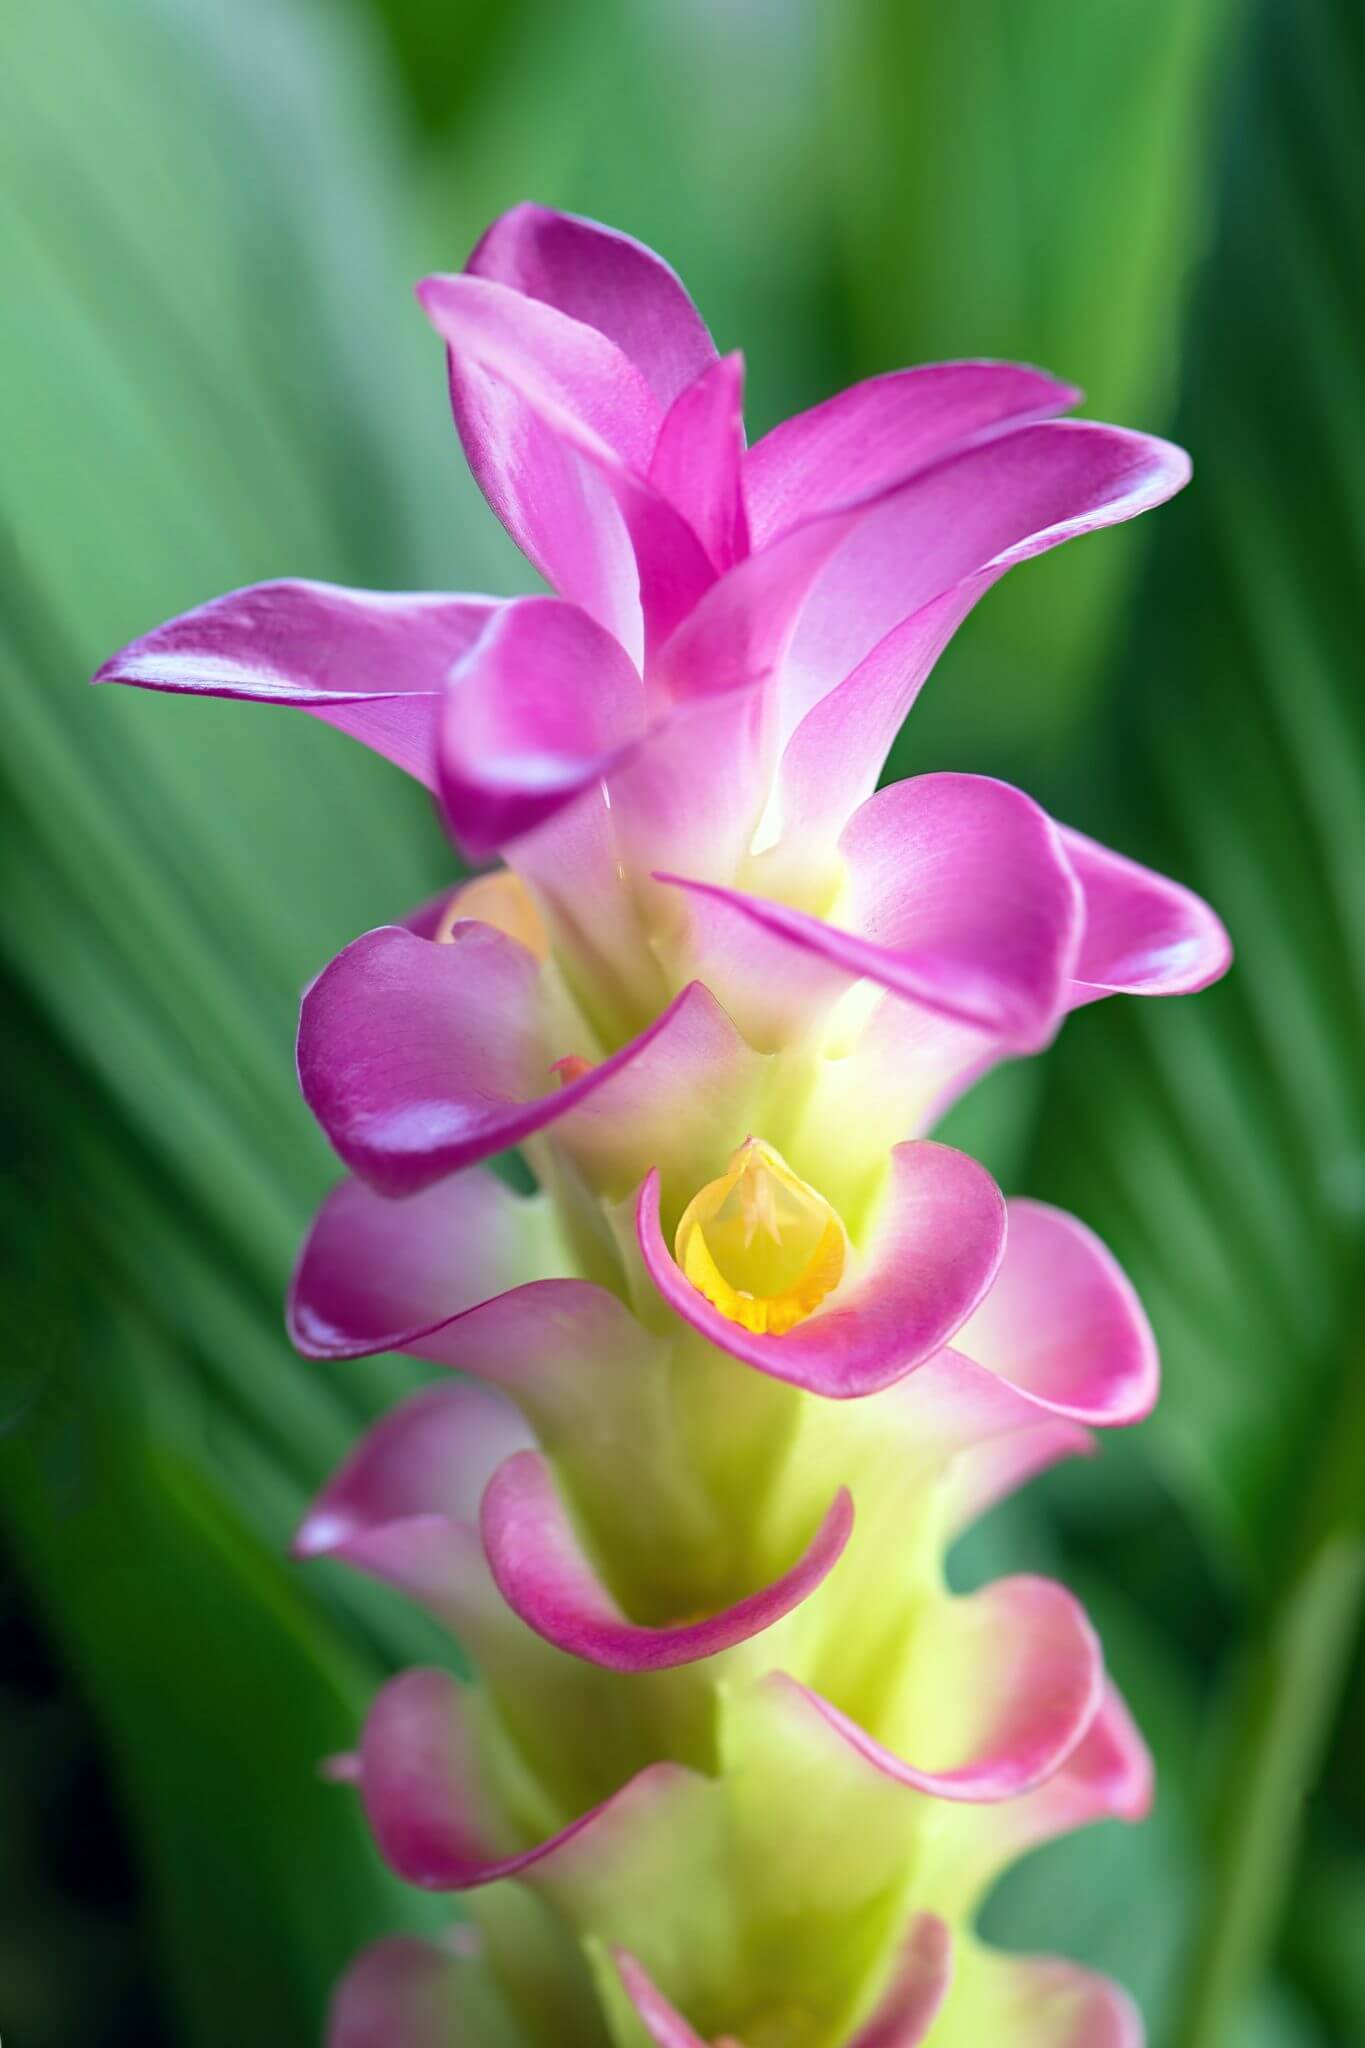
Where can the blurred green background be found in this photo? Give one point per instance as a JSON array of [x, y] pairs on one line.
[[212, 371]]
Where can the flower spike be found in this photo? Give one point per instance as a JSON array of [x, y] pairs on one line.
[[736, 1767]]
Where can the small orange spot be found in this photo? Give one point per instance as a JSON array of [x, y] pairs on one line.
[[341, 1769], [571, 1068]]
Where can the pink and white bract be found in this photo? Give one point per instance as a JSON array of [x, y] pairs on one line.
[[738, 1767]]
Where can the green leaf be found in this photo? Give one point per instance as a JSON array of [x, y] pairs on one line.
[[219, 1692], [1025, 182], [214, 373], [1218, 1143]]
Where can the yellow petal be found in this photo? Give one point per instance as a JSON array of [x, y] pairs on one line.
[[762, 1246], [502, 900]]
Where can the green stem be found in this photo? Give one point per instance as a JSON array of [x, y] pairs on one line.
[[1284, 1717]]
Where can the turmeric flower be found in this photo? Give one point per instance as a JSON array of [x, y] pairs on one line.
[[738, 1767]]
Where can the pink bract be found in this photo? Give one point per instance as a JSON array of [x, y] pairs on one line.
[[737, 1761]]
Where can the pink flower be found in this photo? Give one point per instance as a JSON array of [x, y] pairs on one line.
[[681, 750], [759, 1346]]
